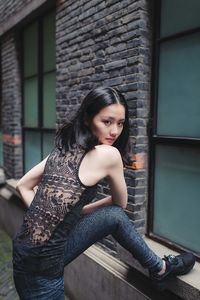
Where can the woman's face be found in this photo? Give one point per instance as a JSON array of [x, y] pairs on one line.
[[107, 125]]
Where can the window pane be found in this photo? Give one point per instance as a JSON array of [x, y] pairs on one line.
[[48, 143], [32, 149], [178, 91], [31, 102], [49, 101], [30, 50], [49, 42], [1, 148], [177, 194], [179, 15]]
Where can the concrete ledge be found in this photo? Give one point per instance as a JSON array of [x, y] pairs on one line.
[[11, 208], [93, 276], [187, 287], [97, 275]]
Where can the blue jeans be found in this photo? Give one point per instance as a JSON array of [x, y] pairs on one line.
[[89, 229], [31, 287]]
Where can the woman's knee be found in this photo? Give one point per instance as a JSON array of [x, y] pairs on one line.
[[111, 214], [116, 208], [111, 209]]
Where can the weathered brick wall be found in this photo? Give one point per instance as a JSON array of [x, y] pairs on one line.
[[108, 43], [11, 7], [11, 107], [13, 12]]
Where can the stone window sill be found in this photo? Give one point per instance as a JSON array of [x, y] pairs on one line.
[[187, 286]]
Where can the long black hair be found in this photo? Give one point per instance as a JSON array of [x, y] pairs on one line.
[[78, 134]]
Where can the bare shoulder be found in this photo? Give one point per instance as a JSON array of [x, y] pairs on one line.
[[109, 155]]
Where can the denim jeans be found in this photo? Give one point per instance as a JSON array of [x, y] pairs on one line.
[[110, 220], [31, 287], [89, 229]]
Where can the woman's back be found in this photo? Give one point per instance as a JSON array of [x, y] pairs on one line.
[[59, 191]]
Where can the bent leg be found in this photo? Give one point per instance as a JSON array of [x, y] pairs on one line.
[[110, 220]]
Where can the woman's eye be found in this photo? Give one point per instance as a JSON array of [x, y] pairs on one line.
[[106, 122], [121, 124]]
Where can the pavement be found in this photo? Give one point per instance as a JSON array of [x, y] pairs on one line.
[[7, 288]]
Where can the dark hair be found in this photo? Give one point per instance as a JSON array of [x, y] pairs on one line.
[[77, 133]]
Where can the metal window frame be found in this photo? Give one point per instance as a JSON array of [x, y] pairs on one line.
[[40, 74], [1, 121], [154, 138], [0, 87]]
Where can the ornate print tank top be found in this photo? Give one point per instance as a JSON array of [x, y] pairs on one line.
[[58, 201]]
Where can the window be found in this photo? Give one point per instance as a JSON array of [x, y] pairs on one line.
[[1, 135], [1, 148], [39, 105], [175, 138]]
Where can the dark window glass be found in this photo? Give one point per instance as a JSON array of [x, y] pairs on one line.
[[178, 89], [39, 105], [175, 137], [179, 15], [176, 195]]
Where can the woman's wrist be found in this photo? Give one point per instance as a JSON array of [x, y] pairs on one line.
[[97, 204]]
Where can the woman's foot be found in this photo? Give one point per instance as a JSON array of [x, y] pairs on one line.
[[175, 265]]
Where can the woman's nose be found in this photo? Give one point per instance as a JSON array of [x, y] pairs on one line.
[[114, 130]]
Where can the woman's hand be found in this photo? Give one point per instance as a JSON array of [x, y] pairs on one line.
[[26, 184], [97, 204]]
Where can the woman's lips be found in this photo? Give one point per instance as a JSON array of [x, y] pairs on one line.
[[110, 140]]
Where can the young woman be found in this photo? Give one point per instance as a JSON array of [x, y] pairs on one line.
[[61, 222]]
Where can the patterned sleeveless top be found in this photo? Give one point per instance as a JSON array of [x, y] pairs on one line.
[[60, 192], [55, 208]]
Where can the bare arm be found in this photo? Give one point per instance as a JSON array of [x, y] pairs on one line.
[[26, 184], [97, 204], [109, 164], [117, 181]]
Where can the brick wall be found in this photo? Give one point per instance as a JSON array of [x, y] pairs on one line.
[[15, 12], [108, 43], [11, 107], [11, 7]]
